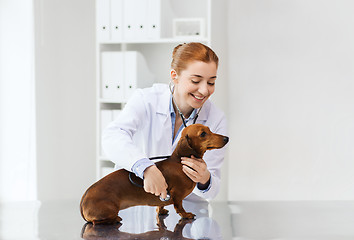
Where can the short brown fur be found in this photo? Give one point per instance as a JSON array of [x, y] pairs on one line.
[[102, 201]]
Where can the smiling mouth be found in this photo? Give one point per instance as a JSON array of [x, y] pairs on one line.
[[198, 98]]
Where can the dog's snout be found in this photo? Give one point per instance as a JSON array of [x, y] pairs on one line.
[[226, 140]]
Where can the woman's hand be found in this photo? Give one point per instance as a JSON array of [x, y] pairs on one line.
[[196, 169], [154, 182]]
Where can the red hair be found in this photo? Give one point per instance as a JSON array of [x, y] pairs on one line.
[[185, 53]]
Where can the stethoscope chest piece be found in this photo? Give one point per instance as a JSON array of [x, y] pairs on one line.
[[168, 197]]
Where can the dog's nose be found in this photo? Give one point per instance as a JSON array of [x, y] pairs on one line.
[[226, 139]]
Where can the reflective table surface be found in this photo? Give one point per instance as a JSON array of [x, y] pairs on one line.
[[217, 220]]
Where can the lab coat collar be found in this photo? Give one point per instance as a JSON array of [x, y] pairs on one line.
[[163, 105]]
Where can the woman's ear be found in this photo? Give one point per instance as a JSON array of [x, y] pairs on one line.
[[174, 76]]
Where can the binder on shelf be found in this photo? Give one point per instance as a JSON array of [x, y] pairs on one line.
[[117, 76], [112, 81], [105, 118], [137, 73], [106, 75], [129, 19], [103, 20], [116, 14], [130, 73], [141, 19], [154, 19]]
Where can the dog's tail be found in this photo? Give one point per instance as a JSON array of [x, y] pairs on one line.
[[81, 203]]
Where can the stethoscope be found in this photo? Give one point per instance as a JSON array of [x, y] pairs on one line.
[[168, 197]]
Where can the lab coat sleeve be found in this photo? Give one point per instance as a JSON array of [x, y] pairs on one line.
[[214, 160], [117, 138]]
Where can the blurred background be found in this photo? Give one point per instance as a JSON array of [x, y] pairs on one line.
[[285, 82]]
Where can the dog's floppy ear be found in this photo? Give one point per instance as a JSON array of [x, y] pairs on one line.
[[189, 140], [185, 147]]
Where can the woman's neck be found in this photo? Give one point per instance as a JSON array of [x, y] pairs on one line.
[[186, 111]]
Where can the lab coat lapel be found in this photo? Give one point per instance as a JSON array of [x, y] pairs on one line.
[[176, 141], [164, 120]]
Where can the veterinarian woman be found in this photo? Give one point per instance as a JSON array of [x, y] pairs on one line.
[[152, 121]]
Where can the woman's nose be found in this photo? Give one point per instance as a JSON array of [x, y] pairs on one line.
[[203, 89]]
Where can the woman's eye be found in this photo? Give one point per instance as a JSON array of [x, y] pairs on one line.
[[203, 134], [194, 81], [211, 84]]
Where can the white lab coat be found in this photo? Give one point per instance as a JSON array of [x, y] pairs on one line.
[[144, 129]]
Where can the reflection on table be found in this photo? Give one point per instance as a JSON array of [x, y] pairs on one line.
[[142, 222]]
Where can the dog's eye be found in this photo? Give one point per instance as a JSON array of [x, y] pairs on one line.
[[203, 134]]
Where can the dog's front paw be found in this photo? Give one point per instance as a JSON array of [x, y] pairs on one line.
[[188, 215]]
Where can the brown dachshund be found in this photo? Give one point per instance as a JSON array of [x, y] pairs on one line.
[[102, 201]]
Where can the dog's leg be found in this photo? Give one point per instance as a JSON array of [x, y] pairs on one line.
[[180, 225], [180, 210], [161, 211], [107, 221], [160, 222]]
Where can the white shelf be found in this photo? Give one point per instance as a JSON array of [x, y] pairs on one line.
[[101, 100], [104, 159], [162, 40]]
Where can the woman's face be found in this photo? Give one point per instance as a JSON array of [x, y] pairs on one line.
[[194, 85]]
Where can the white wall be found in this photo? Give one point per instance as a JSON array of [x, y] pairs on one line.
[[17, 134], [65, 97], [291, 99], [218, 44]]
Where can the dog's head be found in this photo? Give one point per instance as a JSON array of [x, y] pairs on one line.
[[200, 139]]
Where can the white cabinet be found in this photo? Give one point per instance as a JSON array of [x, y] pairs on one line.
[[135, 40]]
